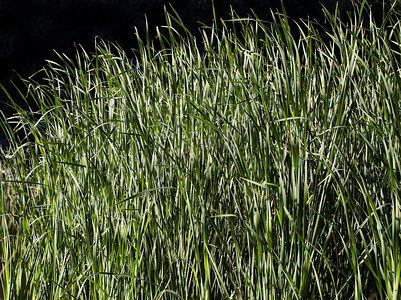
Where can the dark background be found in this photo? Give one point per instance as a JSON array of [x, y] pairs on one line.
[[30, 30]]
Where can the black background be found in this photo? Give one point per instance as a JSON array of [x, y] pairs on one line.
[[30, 30]]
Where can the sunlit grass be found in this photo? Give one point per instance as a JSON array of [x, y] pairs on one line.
[[246, 165]]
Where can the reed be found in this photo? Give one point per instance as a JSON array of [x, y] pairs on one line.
[[246, 165]]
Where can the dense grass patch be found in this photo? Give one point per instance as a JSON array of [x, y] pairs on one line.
[[246, 165]]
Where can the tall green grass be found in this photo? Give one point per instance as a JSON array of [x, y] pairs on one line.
[[245, 165]]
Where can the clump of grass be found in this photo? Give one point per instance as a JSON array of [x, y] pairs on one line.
[[246, 165]]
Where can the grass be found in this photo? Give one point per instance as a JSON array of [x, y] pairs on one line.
[[246, 165]]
